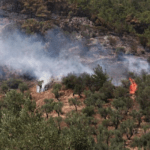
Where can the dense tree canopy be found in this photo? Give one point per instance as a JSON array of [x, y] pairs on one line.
[[110, 116], [126, 16]]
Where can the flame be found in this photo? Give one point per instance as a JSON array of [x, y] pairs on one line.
[[133, 86]]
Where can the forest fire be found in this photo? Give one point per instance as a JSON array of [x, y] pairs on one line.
[[133, 86]]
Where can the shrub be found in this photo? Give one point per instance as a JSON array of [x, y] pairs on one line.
[[94, 99], [75, 83], [99, 78], [69, 81], [58, 107], [120, 50], [14, 83], [128, 127], [4, 87], [57, 86], [33, 26], [14, 102], [106, 123], [120, 92], [87, 80], [48, 107], [137, 115], [56, 89], [23, 87], [116, 118], [56, 93], [75, 102], [89, 111], [79, 88], [78, 83], [104, 112], [143, 40], [107, 90]]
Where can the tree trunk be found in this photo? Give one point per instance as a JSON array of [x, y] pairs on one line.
[[76, 107], [47, 115]]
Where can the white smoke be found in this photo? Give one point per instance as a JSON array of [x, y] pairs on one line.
[[60, 55], [118, 70], [136, 64], [28, 54]]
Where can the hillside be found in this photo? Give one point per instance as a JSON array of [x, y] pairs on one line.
[[89, 60], [81, 112], [89, 18]]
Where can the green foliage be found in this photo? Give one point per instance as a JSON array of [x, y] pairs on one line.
[[56, 93], [106, 123], [14, 102], [32, 26], [4, 87], [104, 112], [89, 111], [103, 138], [74, 82], [143, 96], [119, 16], [30, 105], [48, 107], [69, 81], [128, 127], [58, 107], [56, 89], [79, 83], [137, 115], [107, 91], [22, 125], [125, 83], [94, 99], [113, 15], [123, 102], [13, 83], [145, 128], [79, 87], [36, 8], [146, 112], [120, 92], [23, 87], [116, 118], [74, 101], [57, 86], [117, 142], [58, 121], [79, 131], [99, 77], [142, 142]]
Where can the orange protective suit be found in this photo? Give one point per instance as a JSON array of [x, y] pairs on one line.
[[133, 86]]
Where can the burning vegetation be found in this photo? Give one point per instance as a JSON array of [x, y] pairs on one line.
[[88, 109], [84, 111], [133, 86]]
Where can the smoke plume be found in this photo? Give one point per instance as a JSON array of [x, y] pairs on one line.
[[42, 60], [57, 55]]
